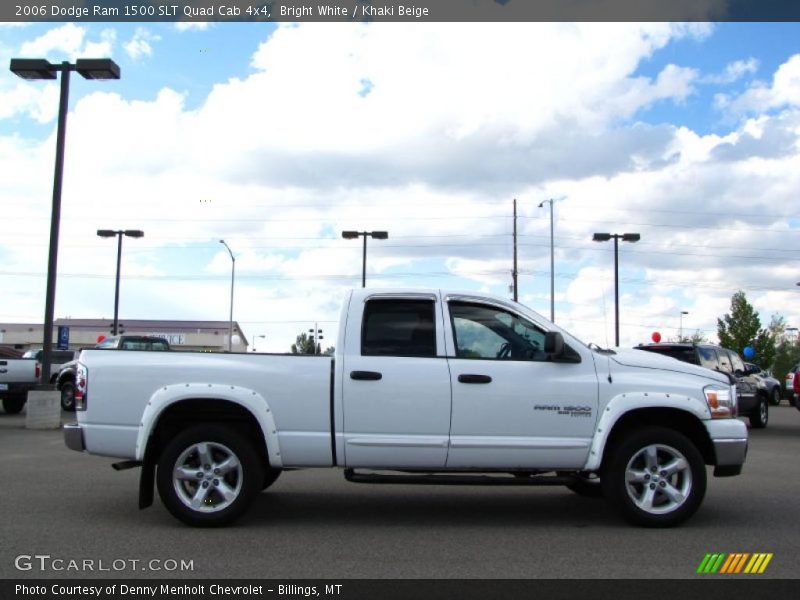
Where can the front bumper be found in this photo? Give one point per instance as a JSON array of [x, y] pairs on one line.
[[729, 438], [73, 437]]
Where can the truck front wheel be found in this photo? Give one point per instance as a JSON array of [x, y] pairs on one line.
[[655, 477], [208, 475]]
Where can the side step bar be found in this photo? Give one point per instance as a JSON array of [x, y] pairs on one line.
[[456, 479]]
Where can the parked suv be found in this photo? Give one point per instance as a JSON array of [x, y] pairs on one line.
[[766, 383], [753, 401]]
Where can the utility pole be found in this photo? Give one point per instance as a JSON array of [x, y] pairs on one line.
[[514, 272]]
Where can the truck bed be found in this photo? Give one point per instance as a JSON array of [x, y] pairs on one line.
[[296, 389]]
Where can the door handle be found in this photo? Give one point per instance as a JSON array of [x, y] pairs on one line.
[[474, 379], [365, 375]]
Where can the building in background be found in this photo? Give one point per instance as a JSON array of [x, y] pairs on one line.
[[204, 336]]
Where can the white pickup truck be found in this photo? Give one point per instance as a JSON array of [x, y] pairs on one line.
[[425, 387]]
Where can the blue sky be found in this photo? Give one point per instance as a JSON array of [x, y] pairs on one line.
[[278, 137]]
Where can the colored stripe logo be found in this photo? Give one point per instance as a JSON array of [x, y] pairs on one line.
[[736, 563]]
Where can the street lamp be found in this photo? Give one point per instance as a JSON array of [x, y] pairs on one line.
[[377, 235], [625, 237], [316, 336], [36, 68], [680, 331], [552, 271], [108, 233], [230, 320]]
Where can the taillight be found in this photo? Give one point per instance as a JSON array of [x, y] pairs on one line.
[[796, 383], [38, 371], [81, 386]]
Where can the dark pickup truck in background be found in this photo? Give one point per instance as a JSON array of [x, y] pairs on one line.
[[753, 400]]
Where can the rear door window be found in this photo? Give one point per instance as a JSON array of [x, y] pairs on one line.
[[398, 327]]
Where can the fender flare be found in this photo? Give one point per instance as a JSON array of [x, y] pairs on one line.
[[623, 404], [252, 401]]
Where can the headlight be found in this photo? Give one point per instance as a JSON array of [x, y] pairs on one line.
[[721, 401]]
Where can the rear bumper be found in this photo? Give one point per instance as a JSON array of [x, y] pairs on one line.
[[73, 437]]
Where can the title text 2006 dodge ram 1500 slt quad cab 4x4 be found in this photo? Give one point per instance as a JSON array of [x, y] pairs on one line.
[[425, 387]]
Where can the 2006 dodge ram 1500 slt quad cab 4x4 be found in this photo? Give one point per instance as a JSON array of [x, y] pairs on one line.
[[425, 387]]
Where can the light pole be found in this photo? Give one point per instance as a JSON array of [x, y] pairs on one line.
[[36, 68], [109, 233], [316, 336], [552, 269], [680, 331], [230, 320], [376, 235], [625, 237]]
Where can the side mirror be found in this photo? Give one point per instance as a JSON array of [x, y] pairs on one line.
[[739, 373], [553, 344]]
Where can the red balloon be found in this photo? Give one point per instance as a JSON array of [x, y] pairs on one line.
[[100, 338], [656, 337]]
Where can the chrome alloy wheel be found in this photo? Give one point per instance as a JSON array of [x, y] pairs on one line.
[[658, 479], [207, 477]]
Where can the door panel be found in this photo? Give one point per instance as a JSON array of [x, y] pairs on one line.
[[526, 412], [396, 384]]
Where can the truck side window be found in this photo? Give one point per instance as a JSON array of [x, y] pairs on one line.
[[708, 358], [398, 328], [737, 363], [724, 361], [487, 332]]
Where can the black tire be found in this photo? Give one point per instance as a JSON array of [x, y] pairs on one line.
[[760, 416], [13, 405], [270, 476], [775, 397], [68, 396], [586, 485], [219, 496], [676, 495]]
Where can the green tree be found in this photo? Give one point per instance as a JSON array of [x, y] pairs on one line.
[[304, 345], [741, 327]]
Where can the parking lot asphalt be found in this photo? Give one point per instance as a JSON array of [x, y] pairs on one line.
[[312, 524]]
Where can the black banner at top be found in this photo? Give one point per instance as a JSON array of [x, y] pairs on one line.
[[397, 10]]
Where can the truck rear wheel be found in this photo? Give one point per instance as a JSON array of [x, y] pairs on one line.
[[13, 405], [655, 477], [208, 475]]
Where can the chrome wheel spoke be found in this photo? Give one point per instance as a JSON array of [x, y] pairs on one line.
[[635, 476], [203, 454], [651, 457], [186, 473], [229, 464], [646, 499], [677, 465], [199, 498], [227, 492], [674, 494]]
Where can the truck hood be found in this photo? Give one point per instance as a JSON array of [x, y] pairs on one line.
[[630, 357]]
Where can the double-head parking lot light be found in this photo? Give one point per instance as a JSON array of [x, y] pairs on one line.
[[38, 68], [376, 235]]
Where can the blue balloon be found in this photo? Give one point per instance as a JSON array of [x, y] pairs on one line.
[[749, 352]]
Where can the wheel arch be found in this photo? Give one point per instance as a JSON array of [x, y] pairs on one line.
[[173, 408], [626, 412]]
